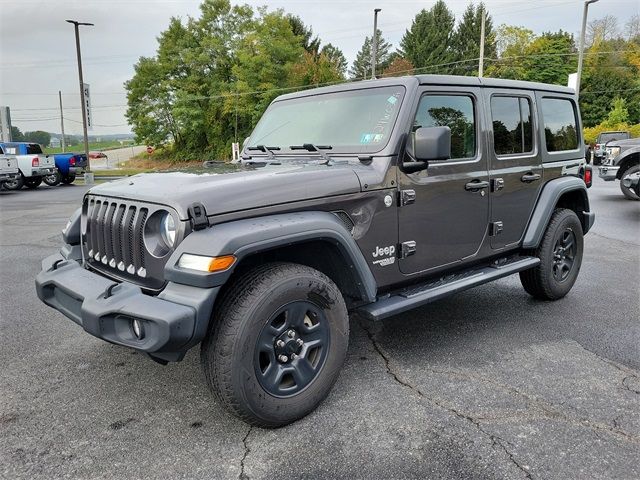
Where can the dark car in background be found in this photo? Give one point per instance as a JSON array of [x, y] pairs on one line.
[[599, 151]]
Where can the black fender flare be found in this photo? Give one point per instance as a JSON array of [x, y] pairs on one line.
[[242, 238], [626, 158], [547, 201]]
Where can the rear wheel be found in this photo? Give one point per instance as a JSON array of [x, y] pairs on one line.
[[626, 191], [32, 182], [15, 184], [279, 340], [68, 179], [53, 179], [560, 254]]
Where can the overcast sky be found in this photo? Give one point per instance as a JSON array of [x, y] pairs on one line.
[[38, 52]]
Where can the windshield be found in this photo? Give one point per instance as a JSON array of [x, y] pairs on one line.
[[607, 137], [358, 121]]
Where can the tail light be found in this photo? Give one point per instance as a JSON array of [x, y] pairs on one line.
[[72, 161], [588, 176], [35, 162]]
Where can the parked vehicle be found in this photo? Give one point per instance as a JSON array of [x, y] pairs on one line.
[[603, 140], [622, 158], [32, 163], [96, 155], [632, 182], [8, 168], [373, 197], [68, 166]]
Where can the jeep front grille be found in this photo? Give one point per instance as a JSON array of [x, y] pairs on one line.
[[114, 241]]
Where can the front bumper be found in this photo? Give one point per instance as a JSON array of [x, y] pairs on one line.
[[173, 321], [608, 173]]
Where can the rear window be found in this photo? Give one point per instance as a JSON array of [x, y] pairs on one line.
[[11, 150], [33, 148], [560, 124]]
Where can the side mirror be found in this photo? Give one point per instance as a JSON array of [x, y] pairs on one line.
[[432, 143]]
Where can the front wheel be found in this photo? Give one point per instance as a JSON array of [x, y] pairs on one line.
[[560, 254], [626, 191], [54, 179], [279, 339]]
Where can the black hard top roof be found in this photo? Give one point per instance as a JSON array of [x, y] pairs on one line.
[[448, 80]]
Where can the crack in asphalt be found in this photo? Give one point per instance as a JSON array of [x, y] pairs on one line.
[[247, 450], [629, 372], [495, 440]]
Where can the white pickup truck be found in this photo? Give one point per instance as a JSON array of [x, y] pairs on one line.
[[32, 163], [8, 168]]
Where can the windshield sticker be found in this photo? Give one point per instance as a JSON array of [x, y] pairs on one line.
[[392, 100], [371, 138], [392, 103]]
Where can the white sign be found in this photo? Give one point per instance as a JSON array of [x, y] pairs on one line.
[[573, 81], [87, 105], [235, 152]]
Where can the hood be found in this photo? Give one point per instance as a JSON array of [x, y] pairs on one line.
[[632, 142], [235, 191]]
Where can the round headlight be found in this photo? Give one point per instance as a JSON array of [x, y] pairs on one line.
[[168, 230]]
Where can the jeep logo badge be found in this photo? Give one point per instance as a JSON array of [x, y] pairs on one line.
[[384, 251]]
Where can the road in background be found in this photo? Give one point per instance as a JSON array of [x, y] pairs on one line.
[[486, 384], [116, 156]]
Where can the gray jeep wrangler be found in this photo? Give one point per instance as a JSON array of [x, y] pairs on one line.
[[373, 198]]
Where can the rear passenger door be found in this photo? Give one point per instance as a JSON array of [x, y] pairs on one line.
[[515, 163]]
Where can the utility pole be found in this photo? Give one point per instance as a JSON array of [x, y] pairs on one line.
[[482, 35], [76, 24], [374, 43], [585, 12], [64, 144]]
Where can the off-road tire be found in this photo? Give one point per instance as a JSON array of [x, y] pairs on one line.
[[628, 192], [540, 281], [54, 179], [33, 182], [227, 353], [68, 179], [16, 184]]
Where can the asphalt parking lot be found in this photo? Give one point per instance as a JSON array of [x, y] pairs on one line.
[[486, 384]]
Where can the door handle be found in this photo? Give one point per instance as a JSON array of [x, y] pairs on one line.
[[476, 185], [530, 177]]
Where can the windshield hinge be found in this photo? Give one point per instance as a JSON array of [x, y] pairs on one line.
[[198, 216]]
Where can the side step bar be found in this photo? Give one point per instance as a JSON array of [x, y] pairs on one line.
[[418, 295]]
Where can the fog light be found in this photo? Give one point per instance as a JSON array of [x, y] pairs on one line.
[[138, 329]]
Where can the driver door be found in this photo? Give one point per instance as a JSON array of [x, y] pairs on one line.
[[445, 210]]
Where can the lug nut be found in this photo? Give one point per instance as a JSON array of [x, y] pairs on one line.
[[283, 358], [280, 343], [293, 356], [291, 333], [299, 342]]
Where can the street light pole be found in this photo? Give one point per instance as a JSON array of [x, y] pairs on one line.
[[374, 43], [76, 24], [585, 12], [482, 35]]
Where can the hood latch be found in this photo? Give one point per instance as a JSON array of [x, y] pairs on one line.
[[198, 216]]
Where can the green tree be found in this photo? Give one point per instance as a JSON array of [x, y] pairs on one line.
[[361, 67], [310, 43], [16, 134], [466, 40], [512, 43], [336, 57], [38, 136], [550, 58], [427, 44], [619, 112]]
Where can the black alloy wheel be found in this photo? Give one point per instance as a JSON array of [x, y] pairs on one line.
[[564, 254], [292, 348]]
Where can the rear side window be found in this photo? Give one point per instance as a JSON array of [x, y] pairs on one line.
[[33, 148], [560, 124], [512, 128], [11, 150], [455, 112]]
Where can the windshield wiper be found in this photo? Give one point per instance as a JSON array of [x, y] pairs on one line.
[[310, 147], [268, 150]]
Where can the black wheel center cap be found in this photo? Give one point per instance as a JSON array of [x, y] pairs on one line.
[[288, 343]]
